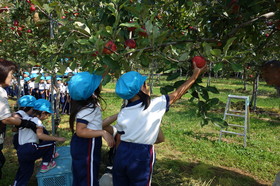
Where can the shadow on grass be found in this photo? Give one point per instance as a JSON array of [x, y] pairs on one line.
[[176, 172]]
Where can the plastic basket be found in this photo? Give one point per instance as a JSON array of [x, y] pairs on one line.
[[61, 175]]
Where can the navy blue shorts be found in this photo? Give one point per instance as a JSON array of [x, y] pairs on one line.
[[86, 155], [133, 164]]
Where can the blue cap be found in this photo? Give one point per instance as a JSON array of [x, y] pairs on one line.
[[48, 77], [33, 75], [42, 78], [129, 84], [20, 77], [43, 105], [58, 79], [82, 85], [27, 79], [27, 73], [26, 101]]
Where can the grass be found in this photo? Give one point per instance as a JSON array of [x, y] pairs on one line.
[[191, 154]]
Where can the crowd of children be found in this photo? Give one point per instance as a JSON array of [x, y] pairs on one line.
[[41, 90], [133, 137]]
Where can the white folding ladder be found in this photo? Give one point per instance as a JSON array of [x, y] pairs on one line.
[[244, 113]]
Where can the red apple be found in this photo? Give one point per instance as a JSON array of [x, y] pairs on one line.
[[95, 53], [130, 43], [266, 35], [28, 1], [15, 23], [76, 14], [29, 31], [32, 8], [199, 60], [219, 44], [63, 17], [20, 28], [12, 28], [143, 33], [109, 45], [1, 40]]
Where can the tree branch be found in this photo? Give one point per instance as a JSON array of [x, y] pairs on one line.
[[266, 16]]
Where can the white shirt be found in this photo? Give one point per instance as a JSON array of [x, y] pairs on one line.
[[62, 88], [31, 85], [4, 105], [42, 86], [92, 118], [26, 135], [142, 126]]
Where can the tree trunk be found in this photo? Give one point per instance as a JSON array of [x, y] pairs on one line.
[[278, 91], [253, 103], [209, 74], [244, 80]]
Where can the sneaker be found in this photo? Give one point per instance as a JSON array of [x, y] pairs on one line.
[[46, 168], [56, 155]]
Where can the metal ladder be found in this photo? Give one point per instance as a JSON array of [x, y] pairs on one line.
[[237, 113]]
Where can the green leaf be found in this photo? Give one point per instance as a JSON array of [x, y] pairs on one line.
[[184, 56], [68, 41], [216, 52], [106, 79], [47, 8], [206, 48], [213, 101], [178, 83], [149, 26], [218, 67], [173, 76], [212, 89], [62, 68], [219, 122], [236, 67], [166, 89], [111, 63], [83, 42], [204, 94], [228, 44], [195, 94], [134, 24]]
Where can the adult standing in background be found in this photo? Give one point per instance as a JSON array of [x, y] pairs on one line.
[[7, 68]]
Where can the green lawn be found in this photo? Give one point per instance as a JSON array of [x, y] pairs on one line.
[[191, 154]]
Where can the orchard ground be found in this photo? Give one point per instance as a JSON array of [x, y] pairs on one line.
[[191, 154]]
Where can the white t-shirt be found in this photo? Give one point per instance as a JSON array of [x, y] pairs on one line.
[[42, 86], [142, 126], [26, 135], [31, 85], [92, 118], [4, 105], [62, 88]]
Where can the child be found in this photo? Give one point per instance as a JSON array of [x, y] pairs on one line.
[[138, 127], [29, 149], [26, 104], [42, 87], [7, 68], [86, 142], [26, 86]]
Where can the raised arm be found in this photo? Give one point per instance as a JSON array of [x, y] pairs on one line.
[[177, 94]]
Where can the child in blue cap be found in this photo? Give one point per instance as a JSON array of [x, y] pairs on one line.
[[42, 87], [86, 114], [29, 149], [26, 104], [138, 125]]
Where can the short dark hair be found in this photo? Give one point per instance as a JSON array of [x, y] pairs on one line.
[[5, 67]]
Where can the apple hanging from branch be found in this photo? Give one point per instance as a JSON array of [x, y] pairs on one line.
[[109, 47], [130, 43]]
